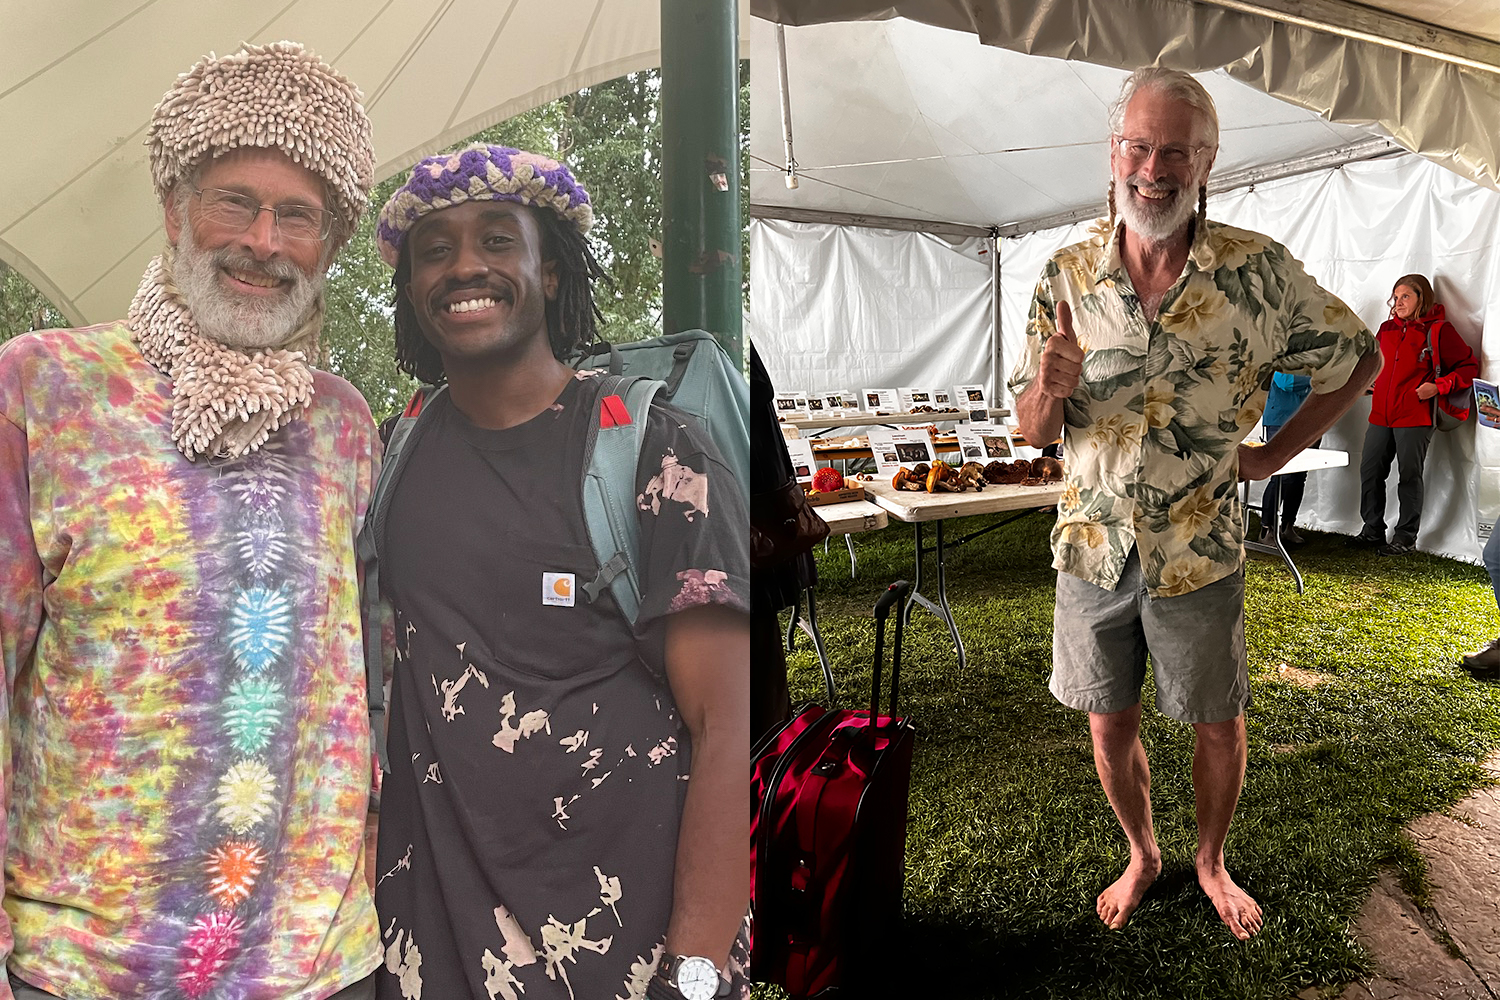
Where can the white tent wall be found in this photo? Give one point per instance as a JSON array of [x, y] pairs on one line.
[[835, 307], [1356, 229]]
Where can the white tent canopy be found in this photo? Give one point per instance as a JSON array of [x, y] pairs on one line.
[[78, 218], [1363, 68], [943, 139]]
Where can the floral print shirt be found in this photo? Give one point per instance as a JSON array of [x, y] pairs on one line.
[[184, 721], [1151, 434]]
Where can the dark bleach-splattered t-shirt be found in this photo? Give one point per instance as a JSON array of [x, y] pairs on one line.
[[539, 765]]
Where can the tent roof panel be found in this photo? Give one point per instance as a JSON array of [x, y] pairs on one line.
[[1023, 137]]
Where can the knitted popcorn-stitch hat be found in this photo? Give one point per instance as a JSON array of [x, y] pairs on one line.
[[278, 96], [481, 173]]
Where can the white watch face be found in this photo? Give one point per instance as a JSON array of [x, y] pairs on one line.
[[697, 979]]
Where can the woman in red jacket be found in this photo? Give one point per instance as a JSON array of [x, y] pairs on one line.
[[1401, 412]]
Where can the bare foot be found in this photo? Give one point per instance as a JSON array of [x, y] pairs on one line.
[[1240, 913], [1118, 902]]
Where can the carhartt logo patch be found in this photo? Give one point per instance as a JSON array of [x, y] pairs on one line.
[[557, 589]]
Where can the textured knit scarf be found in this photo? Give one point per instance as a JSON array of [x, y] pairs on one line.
[[225, 401]]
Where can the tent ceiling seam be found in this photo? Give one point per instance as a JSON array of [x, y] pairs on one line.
[[410, 54], [75, 50], [479, 66]]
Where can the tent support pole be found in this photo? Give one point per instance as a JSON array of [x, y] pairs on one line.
[[786, 107], [700, 169], [997, 354]]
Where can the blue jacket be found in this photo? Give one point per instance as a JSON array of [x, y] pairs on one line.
[[1287, 393]]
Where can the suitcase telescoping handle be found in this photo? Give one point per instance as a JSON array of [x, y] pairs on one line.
[[894, 595]]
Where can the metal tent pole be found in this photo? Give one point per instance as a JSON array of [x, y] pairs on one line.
[[700, 169]]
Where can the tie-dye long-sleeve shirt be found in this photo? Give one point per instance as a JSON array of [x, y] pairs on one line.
[[185, 725]]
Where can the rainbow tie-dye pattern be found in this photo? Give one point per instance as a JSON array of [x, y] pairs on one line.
[[185, 696]]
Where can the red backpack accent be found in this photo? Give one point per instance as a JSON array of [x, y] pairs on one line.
[[612, 412]]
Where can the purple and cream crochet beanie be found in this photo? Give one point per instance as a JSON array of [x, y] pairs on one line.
[[481, 173]]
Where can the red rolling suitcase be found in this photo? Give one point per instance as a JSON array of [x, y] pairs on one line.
[[828, 837]]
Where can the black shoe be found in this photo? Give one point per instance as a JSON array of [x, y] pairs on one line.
[[1398, 547], [1290, 538], [1368, 539]]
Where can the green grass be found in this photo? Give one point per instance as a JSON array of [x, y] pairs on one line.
[[1010, 837]]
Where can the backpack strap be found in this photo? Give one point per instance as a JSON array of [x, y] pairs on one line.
[[612, 453], [367, 546]]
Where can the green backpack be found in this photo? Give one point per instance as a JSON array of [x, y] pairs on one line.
[[698, 378]]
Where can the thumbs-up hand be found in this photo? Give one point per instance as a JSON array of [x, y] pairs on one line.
[[1062, 358]]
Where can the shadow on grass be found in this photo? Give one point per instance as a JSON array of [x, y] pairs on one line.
[[1359, 723]]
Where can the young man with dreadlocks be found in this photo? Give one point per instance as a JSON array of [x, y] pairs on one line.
[[1151, 347], [540, 836]]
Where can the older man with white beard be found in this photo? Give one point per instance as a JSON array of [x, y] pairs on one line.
[[1151, 348], [185, 712]]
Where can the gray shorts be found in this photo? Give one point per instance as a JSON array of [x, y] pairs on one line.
[[1100, 640], [362, 990]]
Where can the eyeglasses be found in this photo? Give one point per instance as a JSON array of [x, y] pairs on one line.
[[237, 212], [1138, 150]]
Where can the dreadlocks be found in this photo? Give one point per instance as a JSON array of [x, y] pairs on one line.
[[572, 315]]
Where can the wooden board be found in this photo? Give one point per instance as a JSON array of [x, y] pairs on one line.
[[906, 505]]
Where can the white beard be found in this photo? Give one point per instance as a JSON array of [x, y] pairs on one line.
[[1155, 221], [241, 321]]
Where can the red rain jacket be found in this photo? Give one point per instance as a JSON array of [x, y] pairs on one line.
[[1403, 347]]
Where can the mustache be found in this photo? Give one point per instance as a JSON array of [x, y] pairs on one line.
[[501, 292], [282, 270], [1163, 187]]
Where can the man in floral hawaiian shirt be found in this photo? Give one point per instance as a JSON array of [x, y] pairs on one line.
[[1151, 346]]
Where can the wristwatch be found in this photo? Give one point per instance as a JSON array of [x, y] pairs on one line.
[[694, 978]]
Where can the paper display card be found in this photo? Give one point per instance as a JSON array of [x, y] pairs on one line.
[[941, 400], [839, 403], [881, 401], [791, 406], [803, 466], [893, 449], [969, 397], [1487, 401], [911, 397], [981, 442]]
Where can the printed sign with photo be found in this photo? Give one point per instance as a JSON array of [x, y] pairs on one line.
[[982, 442], [840, 403], [893, 449], [941, 400], [791, 405], [1487, 401], [969, 397], [881, 401], [803, 465], [912, 397]]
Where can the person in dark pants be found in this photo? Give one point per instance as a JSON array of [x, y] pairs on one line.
[[772, 588], [1287, 393], [1484, 663], [1401, 411]]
